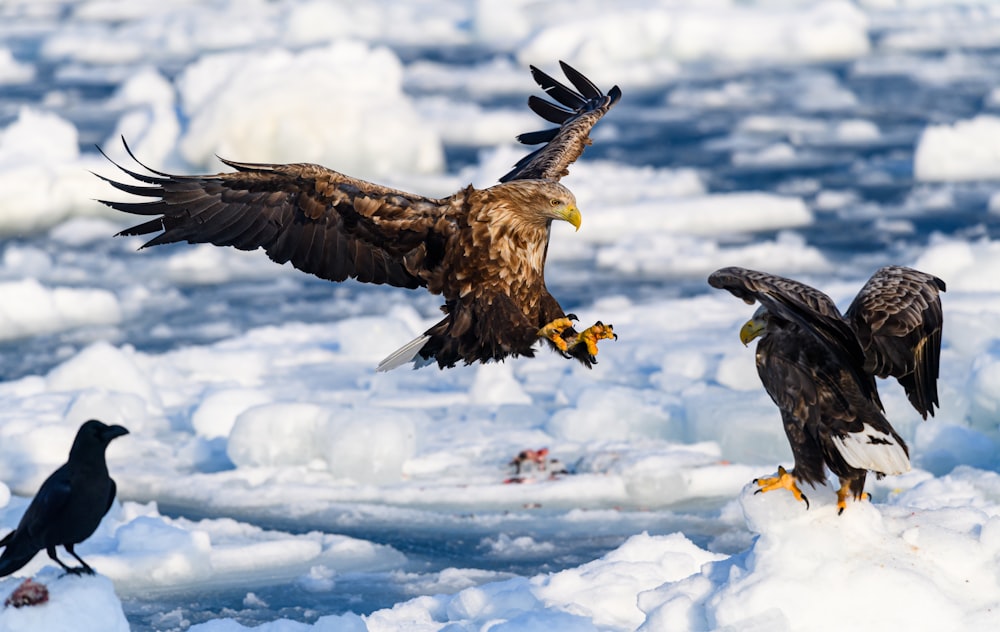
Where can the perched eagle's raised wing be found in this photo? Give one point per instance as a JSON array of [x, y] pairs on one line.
[[811, 309], [323, 222], [576, 112], [897, 317]]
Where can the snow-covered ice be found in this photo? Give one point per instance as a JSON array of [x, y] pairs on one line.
[[273, 481]]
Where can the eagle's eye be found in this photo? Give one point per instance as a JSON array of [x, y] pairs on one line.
[[554, 202]]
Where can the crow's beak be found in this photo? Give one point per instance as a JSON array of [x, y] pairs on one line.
[[113, 432]]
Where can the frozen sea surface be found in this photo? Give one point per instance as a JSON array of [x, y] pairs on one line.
[[272, 478]]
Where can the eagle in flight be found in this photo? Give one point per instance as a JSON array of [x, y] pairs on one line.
[[819, 367], [483, 250]]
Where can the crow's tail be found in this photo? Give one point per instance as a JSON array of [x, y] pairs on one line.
[[12, 559]]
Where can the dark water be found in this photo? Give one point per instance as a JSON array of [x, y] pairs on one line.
[[430, 544]]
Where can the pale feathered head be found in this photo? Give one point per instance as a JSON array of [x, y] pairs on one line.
[[536, 202]]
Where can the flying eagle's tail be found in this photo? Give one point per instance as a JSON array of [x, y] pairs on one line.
[[407, 353]]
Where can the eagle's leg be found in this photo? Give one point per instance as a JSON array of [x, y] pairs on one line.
[[783, 480], [590, 336], [553, 332], [845, 491]]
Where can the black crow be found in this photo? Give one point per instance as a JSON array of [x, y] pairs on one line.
[[69, 505]]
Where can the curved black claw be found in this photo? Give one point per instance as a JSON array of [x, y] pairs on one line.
[[806, 501], [572, 317]]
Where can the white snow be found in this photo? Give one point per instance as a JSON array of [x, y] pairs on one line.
[[341, 105], [27, 308], [888, 567], [658, 35], [720, 214], [87, 604], [217, 412], [969, 265], [13, 71], [41, 179], [365, 446], [965, 150]]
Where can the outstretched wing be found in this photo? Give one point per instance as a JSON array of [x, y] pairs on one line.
[[897, 317], [323, 222], [809, 308], [575, 111]]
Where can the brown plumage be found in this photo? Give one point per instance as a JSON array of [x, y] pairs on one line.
[[483, 250], [819, 366]]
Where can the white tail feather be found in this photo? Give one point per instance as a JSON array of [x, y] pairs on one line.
[[406, 353], [873, 450]]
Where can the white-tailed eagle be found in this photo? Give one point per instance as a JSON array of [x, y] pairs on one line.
[[482, 249], [819, 367]]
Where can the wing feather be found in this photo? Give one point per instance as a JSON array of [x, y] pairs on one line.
[[811, 309], [324, 222], [252, 235], [536, 138], [576, 112], [581, 83], [898, 319], [557, 90], [47, 505], [549, 111]]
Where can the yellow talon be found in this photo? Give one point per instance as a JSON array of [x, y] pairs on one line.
[[590, 336], [844, 492], [570, 345], [783, 480], [553, 332]]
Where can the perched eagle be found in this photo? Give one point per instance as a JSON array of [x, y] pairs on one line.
[[482, 249], [819, 367]]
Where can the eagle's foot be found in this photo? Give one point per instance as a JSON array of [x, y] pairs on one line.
[[553, 331], [783, 480], [844, 492], [589, 337]]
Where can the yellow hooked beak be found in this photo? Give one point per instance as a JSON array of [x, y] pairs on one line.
[[571, 214], [751, 329]]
